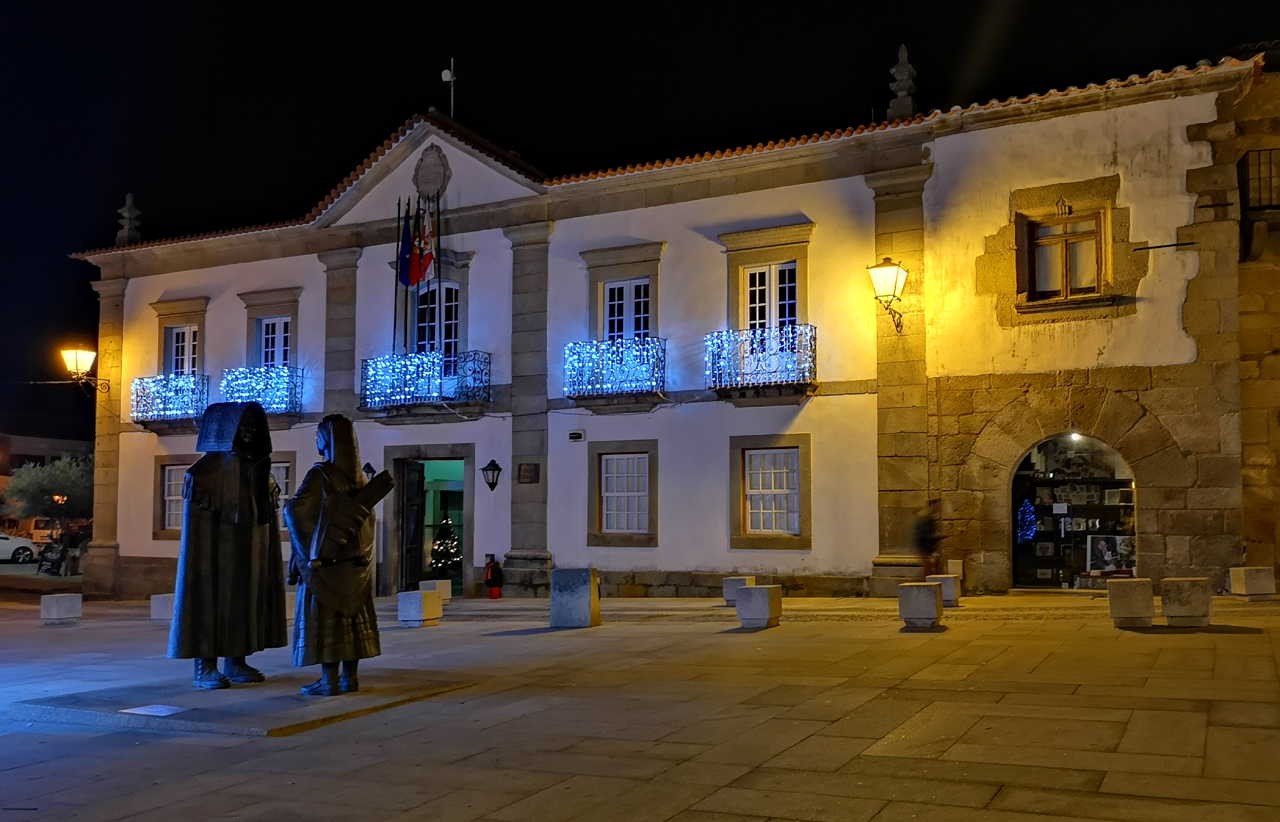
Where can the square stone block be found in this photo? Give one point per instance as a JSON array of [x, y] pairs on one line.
[[950, 588], [955, 567], [61, 609], [1132, 602], [1186, 601], [731, 586], [920, 604], [575, 598], [759, 606], [1253, 582], [418, 608], [161, 607], [443, 587]]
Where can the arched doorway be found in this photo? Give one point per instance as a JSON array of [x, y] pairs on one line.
[[1073, 515]]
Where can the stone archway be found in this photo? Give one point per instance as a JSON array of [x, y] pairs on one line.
[[975, 474]]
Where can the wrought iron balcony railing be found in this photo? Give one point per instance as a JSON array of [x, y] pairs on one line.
[[420, 379], [278, 389], [779, 355], [598, 368], [168, 397]]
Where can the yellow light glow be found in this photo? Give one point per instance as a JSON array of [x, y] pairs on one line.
[[78, 360], [888, 279]]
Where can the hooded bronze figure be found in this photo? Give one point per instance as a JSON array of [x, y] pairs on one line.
[[330, 523], [229, 592]]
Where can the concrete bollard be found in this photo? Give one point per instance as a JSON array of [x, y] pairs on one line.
[[443, 587], [575, 598], [61, 609], [1254, 582], [759, 606], [161, 607], [731, 586], [955, 567], [950, 588], [418, 608], [920, 605], [1186, 601], [1131, 601]]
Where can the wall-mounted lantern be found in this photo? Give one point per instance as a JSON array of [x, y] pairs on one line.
[[888, 279], [491, 472], [78, 362]]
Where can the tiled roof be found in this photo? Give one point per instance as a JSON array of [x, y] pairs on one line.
[[518, 165]]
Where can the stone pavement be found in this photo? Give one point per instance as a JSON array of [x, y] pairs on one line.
[[1024, 709]]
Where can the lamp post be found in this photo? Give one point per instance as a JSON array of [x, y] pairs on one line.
[[78, 362], [887, 280], [491, 471]]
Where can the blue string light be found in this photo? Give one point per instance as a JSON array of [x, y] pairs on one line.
[[168, 397], [776, 355], [635, 365], [418, 379], [278, 389]]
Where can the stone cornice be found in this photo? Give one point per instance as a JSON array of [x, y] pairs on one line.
[[190, 305], [270, 296], [529, 233], [899, 181], [623, 254], [338, 258], [109, 288], [767, 237]]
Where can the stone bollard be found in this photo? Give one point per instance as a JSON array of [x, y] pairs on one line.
[[61, 609], [1186, 601], [1253, 582], [161, 607], [575, 598], [443, 587], [418, 608], [950, 588], [1132, 602], [920, 605], [731, 586], [759, 606], [955, 567]]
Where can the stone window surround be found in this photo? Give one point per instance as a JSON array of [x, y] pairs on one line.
[[738, 536], [764, 246], [158, 531], [272, 302], [623, 262], [596, 538], [170, 313], [454, 267]]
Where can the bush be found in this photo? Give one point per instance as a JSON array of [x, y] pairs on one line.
[[33, 488]]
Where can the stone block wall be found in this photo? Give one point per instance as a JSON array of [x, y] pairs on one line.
[[527, 583]]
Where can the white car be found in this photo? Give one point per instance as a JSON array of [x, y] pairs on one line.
[[17, 549]]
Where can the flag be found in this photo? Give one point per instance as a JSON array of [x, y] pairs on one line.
[[420, 263], [406, 249]]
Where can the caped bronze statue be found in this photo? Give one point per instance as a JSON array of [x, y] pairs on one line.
[[229, 592], [330, 521]]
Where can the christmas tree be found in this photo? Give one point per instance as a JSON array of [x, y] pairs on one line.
[[446, 552], [1026, 521]]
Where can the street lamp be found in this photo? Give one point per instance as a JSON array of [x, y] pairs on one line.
[[887, 280], [490, 472], [78, 362]]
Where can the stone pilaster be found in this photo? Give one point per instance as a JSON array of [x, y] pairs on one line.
[[903, 440], [340, 330], [529, 267], [101, 559]]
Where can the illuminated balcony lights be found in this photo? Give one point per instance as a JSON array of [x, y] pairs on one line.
[[594, 368], [168, 397], [780, 355], [278, 389], [418, 379]]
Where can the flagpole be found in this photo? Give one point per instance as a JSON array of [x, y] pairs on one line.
[[395, 280], [436, 263]]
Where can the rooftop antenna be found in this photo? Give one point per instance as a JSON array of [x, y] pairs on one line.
[[450, 76]]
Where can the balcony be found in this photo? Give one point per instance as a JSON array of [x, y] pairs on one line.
[[168, 400], [763, 365], [616, 374], [278, 389], [401, 381]]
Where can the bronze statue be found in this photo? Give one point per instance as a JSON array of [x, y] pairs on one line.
[[330, 521], [229, 593]]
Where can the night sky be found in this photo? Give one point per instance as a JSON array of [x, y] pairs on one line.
[[217, 116]]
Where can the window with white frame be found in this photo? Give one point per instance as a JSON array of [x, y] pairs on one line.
[[626, 309], [275, 341], [182, 349], [772, 488], [439, 321], [624, 493], [282, 473], [173, 478], [772, 295]]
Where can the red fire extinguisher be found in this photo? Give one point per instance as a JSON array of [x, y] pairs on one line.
[[493, 576]]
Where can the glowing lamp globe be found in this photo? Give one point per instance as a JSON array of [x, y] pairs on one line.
[[887, 279], [78, 360]]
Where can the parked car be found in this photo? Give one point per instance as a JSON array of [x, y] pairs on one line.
[[17, 549]]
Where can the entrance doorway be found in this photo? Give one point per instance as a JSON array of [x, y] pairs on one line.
[[1073, 515], [433, 521]]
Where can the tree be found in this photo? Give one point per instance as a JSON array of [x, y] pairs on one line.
[[61, 489]]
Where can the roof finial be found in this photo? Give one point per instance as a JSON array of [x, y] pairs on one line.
[[903, 85], [130, 224]]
